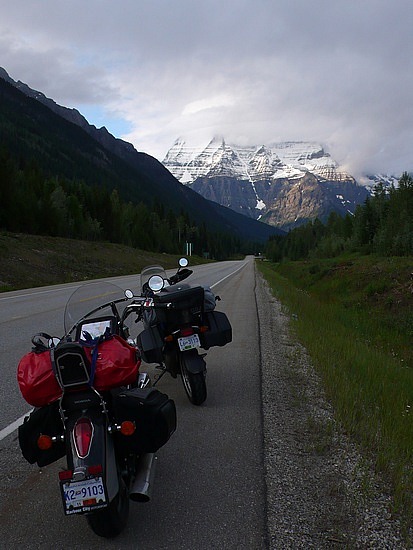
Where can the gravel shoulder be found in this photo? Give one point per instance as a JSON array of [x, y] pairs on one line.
[[321, 493]]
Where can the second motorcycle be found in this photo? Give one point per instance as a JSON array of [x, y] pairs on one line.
[[180, 323]]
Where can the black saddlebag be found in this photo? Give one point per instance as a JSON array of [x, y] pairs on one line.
[[43, 421], [220, 330], [154, 414], [187, 304], [150, 345]]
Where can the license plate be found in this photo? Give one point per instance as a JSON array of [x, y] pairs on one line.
[[189, 342], [83, 496]]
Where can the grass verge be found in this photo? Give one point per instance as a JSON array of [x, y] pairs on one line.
[[353, 315], [28, 261]]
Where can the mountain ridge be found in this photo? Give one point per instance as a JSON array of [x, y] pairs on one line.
[[138, 175], [284, 184]]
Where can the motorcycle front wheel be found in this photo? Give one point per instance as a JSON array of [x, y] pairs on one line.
[[111, 521], [194, 385]]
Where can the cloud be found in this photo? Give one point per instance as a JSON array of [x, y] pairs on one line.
[[206, 104], [338, 73]]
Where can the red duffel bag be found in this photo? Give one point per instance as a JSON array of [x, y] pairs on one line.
[[36, 379], [116, 365]]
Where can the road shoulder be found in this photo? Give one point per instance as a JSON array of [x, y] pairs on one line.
[[320, 492]]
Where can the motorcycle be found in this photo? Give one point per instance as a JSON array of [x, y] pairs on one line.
[[94, 406], [178, 320]]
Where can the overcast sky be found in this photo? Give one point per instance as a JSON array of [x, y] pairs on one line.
[[339, 72]]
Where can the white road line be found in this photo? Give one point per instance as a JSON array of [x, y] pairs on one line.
[[226, 277], [31, 294], [13, 426]]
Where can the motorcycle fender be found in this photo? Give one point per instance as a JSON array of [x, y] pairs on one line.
[[102, 450], [112, 478], [193, 362]]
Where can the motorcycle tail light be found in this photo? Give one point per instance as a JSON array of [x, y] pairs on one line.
[[127, 427], [187, 331], [95, 470], [83, 433], [44, 442], [64, 475]]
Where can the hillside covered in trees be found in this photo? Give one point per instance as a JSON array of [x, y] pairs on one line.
[[382, 225], [31, 202], [56, 179]]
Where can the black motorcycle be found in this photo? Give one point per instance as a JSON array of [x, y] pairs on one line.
[[179, 320], [95, 407]]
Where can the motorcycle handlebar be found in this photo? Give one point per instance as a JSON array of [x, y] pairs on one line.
[[180, 276], [168, 305], [141, 303]]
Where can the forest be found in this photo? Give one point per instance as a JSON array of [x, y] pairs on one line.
[[34, 202], [382, 225]]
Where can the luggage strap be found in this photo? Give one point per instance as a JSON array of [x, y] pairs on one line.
[[88, 341]]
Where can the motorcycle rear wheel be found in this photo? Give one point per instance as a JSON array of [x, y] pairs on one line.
[[194, 385], [111, 521]]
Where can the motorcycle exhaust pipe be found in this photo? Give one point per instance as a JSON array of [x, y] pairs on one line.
[[141, 490]]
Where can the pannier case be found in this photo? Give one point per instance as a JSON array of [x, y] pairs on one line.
[[44, 421], [154, 414], [150, 345], [220, 330]]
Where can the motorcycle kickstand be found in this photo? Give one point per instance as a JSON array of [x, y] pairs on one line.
[[157, 377]]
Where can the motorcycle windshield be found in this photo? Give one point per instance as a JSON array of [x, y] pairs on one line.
[[91, 300], [149, 271]]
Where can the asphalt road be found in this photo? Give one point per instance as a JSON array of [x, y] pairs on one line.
[[209, 489]]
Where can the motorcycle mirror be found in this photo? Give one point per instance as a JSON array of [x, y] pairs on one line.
[[183, 262], [156, 283], [44, 341], [53, 342], [128, 293], [37, 340]]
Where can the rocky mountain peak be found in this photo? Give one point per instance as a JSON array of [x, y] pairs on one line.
[[283, 184]]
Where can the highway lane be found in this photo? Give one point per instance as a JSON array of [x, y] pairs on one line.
[[25, 312], [209, 489]]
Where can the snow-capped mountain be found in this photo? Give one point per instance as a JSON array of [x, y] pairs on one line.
[[372, 180], [277, 160], [283, 184]]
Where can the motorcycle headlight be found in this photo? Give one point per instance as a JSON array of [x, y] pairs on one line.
[[156, 283]]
